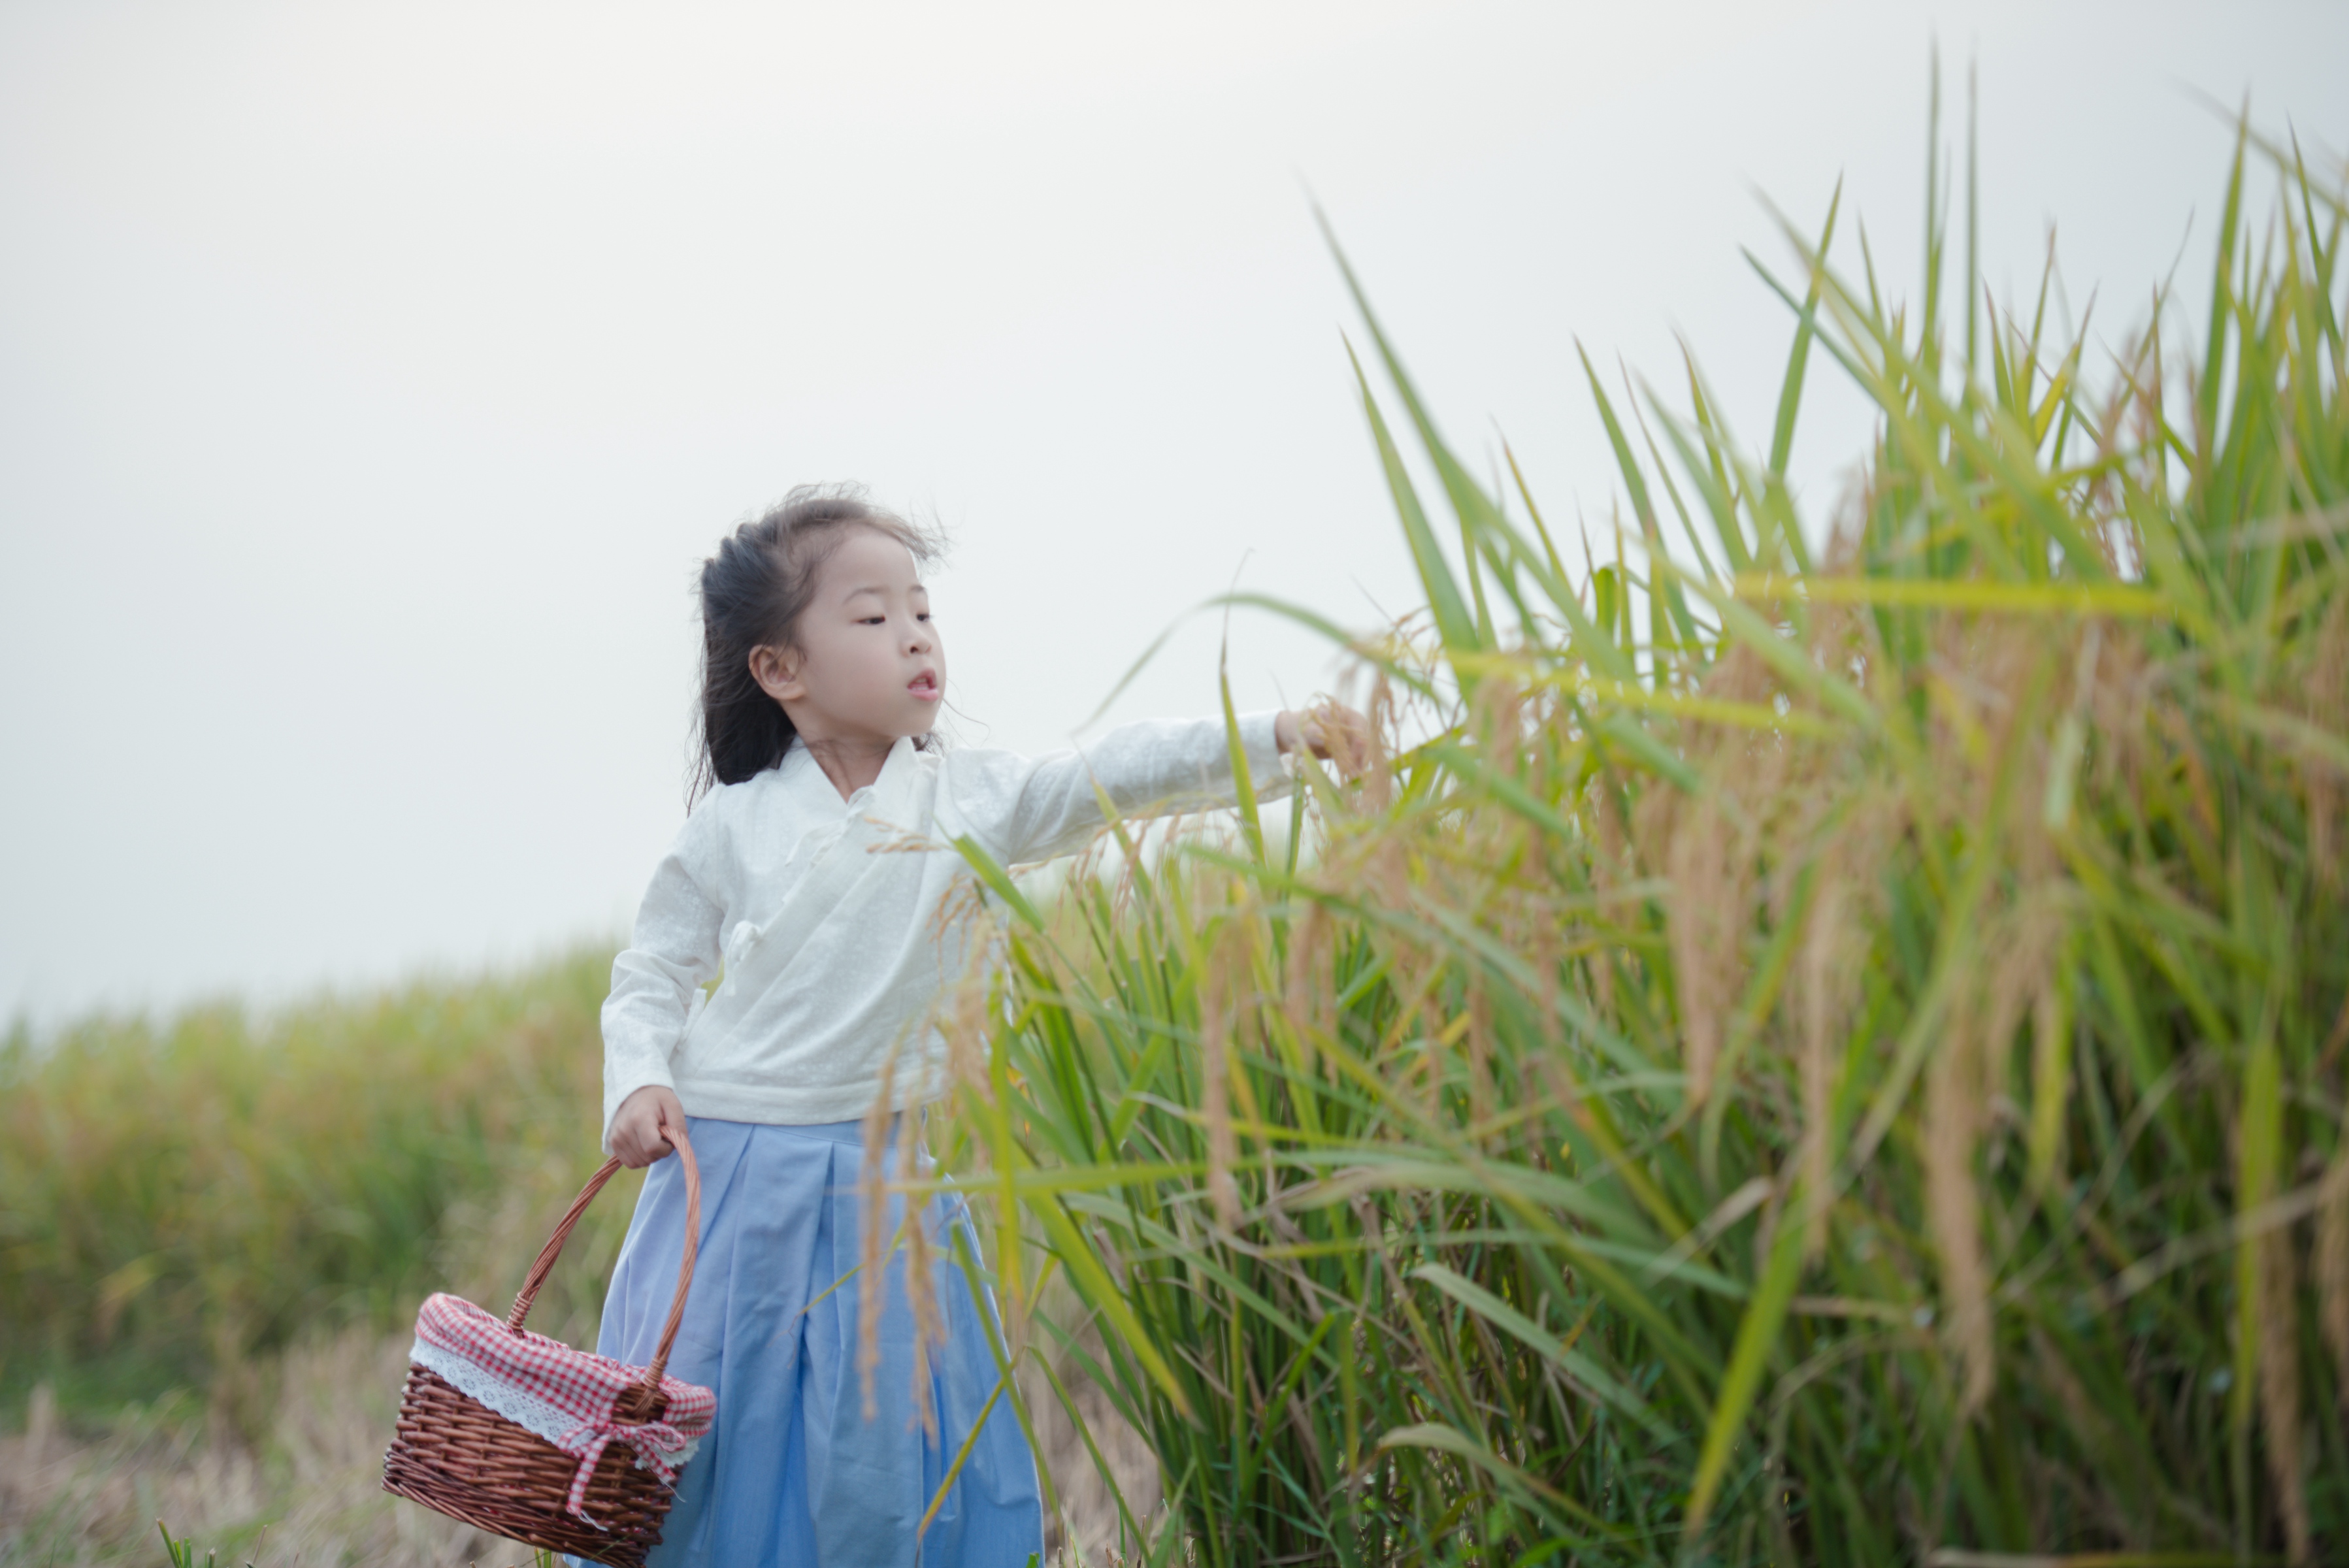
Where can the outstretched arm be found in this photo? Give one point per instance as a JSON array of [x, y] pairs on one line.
[[1028, 809]]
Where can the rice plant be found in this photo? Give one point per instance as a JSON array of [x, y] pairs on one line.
[[1797, 1053]]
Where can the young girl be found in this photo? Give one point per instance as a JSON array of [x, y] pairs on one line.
[[812, 876]]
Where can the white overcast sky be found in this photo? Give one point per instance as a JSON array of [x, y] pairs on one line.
[[373, 377]]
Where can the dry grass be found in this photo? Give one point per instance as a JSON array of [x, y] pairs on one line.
[[89, 1495]]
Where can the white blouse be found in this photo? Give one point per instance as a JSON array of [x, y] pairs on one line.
[[823, 914]]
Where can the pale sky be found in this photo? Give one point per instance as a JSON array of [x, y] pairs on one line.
[[374, 377]]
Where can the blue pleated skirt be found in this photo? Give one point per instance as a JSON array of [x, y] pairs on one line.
[[794, 1475]]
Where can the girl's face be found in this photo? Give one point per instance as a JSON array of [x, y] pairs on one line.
[[867, 667]]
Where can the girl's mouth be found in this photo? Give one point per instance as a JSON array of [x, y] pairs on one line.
[[924, 686]]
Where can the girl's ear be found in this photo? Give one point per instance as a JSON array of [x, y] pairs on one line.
[[776, 668]]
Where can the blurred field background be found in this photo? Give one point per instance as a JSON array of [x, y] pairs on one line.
[[1826, 1045], [213, 1231], [213, 1228]]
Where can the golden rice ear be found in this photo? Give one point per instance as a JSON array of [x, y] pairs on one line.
[[2333, 1267], [1952, 1134], [1823, 997], [1384, 713], [930, 1325], [1704, 925], [1608, 871], [874, 1209], [2020, 969], [1304, 1001], [1216, 1024], [2279, 1331], [968, 1010]]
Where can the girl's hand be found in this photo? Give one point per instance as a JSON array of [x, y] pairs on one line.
[[1331, 731], [639, 1133]]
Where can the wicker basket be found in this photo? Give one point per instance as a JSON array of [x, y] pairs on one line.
[[454, 1454]]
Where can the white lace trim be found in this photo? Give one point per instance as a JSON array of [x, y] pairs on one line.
[[523, 1409]]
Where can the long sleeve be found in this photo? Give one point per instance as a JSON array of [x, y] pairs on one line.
[[672, 953], [1029, 808]]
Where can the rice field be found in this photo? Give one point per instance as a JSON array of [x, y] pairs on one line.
[[1820, 1040], [1816, 1039]]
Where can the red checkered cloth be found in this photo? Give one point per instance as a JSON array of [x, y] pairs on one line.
[[564, 1396]]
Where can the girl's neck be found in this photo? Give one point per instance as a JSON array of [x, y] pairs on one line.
[[851, 763]]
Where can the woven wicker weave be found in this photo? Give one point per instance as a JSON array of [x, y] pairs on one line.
[[455, 1455]]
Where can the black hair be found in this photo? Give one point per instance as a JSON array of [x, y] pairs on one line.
[[752, 592]]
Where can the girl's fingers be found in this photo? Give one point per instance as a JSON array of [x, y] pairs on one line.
[[640, 1133], [1338, 734], [1330, 731], [638, 1145]]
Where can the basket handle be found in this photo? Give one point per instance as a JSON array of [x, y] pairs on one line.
[[544, 1264]]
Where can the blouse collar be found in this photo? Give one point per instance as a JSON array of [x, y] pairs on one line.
[[806, 777]]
